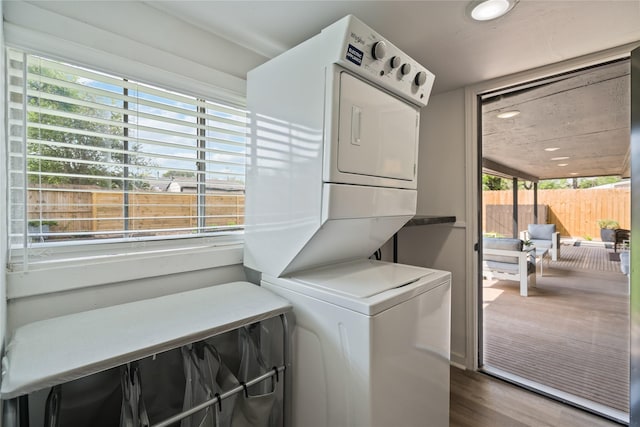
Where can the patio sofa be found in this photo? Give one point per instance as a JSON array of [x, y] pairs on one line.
[[543, 236], [505, 259]]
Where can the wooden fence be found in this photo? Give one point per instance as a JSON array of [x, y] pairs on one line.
[[574, 212], [103, 211], [499, 218]]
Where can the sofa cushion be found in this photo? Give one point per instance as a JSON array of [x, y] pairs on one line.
[[507, 267], [503, 244], [542, 244], [541, 231]]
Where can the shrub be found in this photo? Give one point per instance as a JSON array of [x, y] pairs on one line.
[[608, 223]]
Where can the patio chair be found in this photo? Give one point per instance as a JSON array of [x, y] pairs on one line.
[[543, 236], [505, 259], [622, 236]]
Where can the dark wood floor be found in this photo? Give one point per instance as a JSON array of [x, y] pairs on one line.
[[478, 400]]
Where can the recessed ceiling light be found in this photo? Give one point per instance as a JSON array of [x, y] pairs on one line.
[[487, 10], [508, 114], [552, 149], [563, 164], [574, 173], [559, 158]]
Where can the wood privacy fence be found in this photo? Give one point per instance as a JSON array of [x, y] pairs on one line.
[[499, 218], [574, 212], [103, 211]]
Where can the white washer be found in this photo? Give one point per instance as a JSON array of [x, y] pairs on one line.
[[331, 176], [369, 348]]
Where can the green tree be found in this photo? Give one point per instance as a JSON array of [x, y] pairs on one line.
[[492, 183], [69, 141], [597, 181], [554, 184]]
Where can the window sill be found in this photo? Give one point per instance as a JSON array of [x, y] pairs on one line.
[[128, 262]]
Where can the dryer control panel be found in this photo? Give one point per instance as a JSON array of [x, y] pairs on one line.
[[367, 53]]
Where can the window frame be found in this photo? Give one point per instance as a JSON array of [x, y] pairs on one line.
[[63, 266], [111, 263]]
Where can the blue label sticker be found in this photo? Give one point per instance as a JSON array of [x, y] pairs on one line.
[[354, 55]]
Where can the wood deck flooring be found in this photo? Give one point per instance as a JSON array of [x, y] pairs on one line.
[[587, 256], [571, 333]]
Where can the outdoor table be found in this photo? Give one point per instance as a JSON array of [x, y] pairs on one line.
[[540, 253]]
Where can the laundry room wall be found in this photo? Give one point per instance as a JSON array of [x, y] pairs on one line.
[[135, 39], [442, 191], [113, 35]]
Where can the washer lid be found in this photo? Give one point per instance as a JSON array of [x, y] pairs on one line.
[[362, 279], [365, 286]]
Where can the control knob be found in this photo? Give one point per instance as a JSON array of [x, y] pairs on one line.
[[395, 62], [379, 50], [421, 78], [406, 69]]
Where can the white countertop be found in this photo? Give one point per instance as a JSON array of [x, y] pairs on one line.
[[54, 351]]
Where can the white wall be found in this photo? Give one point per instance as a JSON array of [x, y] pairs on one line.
[[161, 43], [132, 39], [115, 35], [138, 41], [447, 187], [442, 191], [43, 306], [143, 29]]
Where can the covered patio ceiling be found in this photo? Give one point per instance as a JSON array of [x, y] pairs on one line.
[[575, 125]]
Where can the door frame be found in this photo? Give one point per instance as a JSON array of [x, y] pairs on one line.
[[634, 368], [473, 171]]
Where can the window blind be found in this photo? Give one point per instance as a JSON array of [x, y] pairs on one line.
[[95, 157]]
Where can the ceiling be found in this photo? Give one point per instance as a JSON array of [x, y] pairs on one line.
[[579, 116], [438, 34], [583, 117]]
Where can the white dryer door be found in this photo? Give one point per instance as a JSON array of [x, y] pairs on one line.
[[378, 133]]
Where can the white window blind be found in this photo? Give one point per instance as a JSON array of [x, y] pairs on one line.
[[99, 158]]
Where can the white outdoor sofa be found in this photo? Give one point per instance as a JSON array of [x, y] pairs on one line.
[[505, 259]]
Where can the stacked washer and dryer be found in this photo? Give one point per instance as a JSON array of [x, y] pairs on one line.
[[331, 176]]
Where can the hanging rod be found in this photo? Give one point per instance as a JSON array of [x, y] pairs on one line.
[[219, 398]]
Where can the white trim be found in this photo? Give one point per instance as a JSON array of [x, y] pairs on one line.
[[114, 270], [457, 365], [55, 254], [458, 360], [58, 266], [210, 83], [3, 190], [471, 155], [471, 207]]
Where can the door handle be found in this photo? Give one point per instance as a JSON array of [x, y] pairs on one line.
[[356, 123]]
